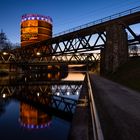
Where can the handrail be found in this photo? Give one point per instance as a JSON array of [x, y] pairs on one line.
[[97, 131], [102, 20]]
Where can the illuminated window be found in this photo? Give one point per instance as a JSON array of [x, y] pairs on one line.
[[29, 30]]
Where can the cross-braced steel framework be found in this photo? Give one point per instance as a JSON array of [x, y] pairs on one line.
[[89, 37], [67, 50], [85, 38]]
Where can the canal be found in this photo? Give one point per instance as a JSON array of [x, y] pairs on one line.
[[31, 108]]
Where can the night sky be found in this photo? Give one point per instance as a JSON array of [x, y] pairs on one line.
[[66, 14]]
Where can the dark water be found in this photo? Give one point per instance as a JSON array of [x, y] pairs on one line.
[[30, 110], [11, 126]]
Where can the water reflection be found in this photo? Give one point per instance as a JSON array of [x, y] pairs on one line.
[[46, 72], [3, 103], [33, 118], [43, 106]]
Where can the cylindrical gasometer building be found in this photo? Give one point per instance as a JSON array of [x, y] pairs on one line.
[[35, 28]]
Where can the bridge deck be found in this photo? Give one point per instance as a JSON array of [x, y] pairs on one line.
[[127, 17], [128, 20]]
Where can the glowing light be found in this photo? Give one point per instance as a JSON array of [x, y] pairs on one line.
[[58, 94], [68, 93], [38, 94], [3, 95], [36, 16], [77, 93], [5, 53], [38, 53]]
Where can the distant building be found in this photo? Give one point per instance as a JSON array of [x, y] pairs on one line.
[[35, 28]]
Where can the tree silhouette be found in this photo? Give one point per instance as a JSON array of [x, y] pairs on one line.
[[4, 42], [134, 50]]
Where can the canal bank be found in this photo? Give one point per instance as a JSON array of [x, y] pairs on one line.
[[81, 128], [118, 109]]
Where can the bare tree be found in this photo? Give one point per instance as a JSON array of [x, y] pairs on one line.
[[134, 50], [4, 42]]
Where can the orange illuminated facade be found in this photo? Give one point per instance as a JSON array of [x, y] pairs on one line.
[[35, 28]]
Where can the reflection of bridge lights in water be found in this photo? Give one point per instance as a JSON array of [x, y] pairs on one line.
[[66, 90], [44, 73], [5, 92], [25, 79], [77, 93], [68, 93], [32, 118]]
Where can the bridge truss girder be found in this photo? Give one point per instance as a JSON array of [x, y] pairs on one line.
[[135, 36], [73, 46], [77, 44], [85, 39], [79, 58]]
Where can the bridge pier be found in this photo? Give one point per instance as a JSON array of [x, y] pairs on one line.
[[115, 52]]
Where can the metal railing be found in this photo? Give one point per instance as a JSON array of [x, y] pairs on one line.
[[96, 127], [102, 20]]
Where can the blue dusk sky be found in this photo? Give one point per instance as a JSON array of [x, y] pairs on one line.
[[66, 14]]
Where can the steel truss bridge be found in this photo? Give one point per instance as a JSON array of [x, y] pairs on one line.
[[70, 46], [88, 37], [82, 58]]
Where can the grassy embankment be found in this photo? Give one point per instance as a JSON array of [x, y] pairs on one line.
[[128, 74]]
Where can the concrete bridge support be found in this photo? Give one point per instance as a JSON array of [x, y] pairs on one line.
[[115, 52]]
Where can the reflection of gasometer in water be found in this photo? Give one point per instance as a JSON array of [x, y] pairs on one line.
[[32, 118]]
